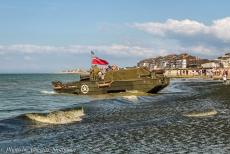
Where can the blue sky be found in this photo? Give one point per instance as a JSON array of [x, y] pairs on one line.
[[52, 35]]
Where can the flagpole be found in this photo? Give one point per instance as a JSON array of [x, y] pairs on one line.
[[91, 69], [92, 54]]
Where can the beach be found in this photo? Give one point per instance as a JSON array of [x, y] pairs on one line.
[[188, 116]]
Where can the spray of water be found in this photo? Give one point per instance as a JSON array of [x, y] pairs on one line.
[[48, 92], [210, 112], [57, 117]]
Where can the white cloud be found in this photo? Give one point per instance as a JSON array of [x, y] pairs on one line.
[[187, 27], [175, 36], [27, 58], [115, 50], [203, 49], [219, 29]]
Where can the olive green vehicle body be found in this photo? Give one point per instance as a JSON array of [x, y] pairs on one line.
[[124, 80]]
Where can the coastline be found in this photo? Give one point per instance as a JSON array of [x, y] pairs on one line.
[[78, 73], [198, 77], [201, 73]]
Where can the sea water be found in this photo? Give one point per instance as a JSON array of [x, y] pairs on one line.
[[188, 116]]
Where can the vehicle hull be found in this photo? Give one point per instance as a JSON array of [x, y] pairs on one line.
[[147, 85]]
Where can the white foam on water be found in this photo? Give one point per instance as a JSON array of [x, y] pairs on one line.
[[130, 95], [48, 92], [57, 117], [131, 98], [206, 113]]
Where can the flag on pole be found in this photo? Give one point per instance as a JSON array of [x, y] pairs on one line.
[[98, 61]]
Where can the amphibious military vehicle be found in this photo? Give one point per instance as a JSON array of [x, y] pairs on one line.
[[114, 81]]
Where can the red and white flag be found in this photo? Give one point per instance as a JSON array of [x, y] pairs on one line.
[[98, 61]]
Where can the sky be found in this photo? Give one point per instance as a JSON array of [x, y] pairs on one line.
[[48, 36]]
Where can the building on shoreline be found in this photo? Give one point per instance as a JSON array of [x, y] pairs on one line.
[[185, 66], [211, 64], [181, 61], [225, 60]]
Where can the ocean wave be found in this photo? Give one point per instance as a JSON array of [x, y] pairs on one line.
[[57, 117], [48, 92], [131, 98], [130, 95], [210, 112]]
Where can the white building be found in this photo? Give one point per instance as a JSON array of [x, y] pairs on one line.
[[184, 63], [210, 65], [225, 60]]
